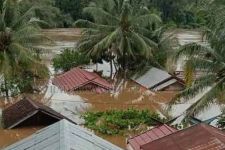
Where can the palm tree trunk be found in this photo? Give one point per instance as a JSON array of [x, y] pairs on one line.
[[6, 89], [125, 67], [111, 68]]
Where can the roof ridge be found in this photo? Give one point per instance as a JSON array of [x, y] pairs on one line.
[[34, 103], [152, 129], [214, 128], [62, 134], [173, 133], [91, 73]]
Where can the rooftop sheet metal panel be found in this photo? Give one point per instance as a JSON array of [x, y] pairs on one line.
[[23, 110], [152, 77], [63, 135], [165, 84], [76, 78], [149, 136], [197, 137]]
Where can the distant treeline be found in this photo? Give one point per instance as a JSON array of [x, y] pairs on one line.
[[178, 13]]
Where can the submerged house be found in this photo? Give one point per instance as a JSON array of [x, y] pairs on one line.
[[197, 137], [135, 143], [159, 80], [63, 135], [27, 112], [78, 80]]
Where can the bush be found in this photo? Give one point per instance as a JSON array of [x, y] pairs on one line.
[[69, 59], [116, 121]]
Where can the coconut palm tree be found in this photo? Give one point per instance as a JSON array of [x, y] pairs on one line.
[[209, 59], [19, 34], [121, 29]]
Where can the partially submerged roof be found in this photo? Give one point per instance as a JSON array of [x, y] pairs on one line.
[[155, 79], [196, 75], [25, 111], [197, 137], [149, 136], [78, 78], [63, 135]]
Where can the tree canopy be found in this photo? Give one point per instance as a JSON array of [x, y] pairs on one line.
[[19, 34], [120, 28], [208, 59]]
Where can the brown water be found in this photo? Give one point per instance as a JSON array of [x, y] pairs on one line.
[[130, 97], [8, 137], [133, 96]]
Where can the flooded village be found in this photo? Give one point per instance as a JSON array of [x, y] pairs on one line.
[[73, 105], [112, 75]]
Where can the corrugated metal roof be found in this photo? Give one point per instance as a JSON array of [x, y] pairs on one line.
[[24, 109], [149, 136], [77, 78], [197, 137], [164, 84], [153, 77], [63, 135]]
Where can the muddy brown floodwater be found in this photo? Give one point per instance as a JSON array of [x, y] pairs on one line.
[[8, 137], [133, 96], [130, 97]]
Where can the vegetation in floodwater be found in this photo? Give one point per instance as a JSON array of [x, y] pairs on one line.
[[221, 122], [119, 121], [68, 59]]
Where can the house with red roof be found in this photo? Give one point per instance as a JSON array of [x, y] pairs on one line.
[[135, 143], [197, 137], [79, 80]]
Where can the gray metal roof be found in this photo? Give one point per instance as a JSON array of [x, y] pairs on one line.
[[63, 135], [153, 77], [164, 84]]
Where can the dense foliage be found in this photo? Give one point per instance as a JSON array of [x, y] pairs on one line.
[[72, 9], [117, 121], [181, 13], [19, 34], [221, 122], [68, 59], [208, 59], [44, 10], [62, 13], [122, 29]]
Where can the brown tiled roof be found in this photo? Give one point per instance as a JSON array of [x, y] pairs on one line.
[[150, 135], [24, 109], [198, 137], [77, 78]]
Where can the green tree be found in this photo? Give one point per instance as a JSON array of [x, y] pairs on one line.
[[45, 10], [19, 34], [209, 59], [121, 29], [71, 9], [182, 13], [69, 59]]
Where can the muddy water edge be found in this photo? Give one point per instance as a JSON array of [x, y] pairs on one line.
[[131, 97]]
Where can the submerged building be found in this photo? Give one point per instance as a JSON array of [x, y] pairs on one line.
[[63, 135], [197, 137], [27, 112], [80, 80], [159, 80]]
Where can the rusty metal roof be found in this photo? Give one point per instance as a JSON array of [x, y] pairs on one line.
[[150, 135], [197, 137], [24, 109], [77, 78]]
